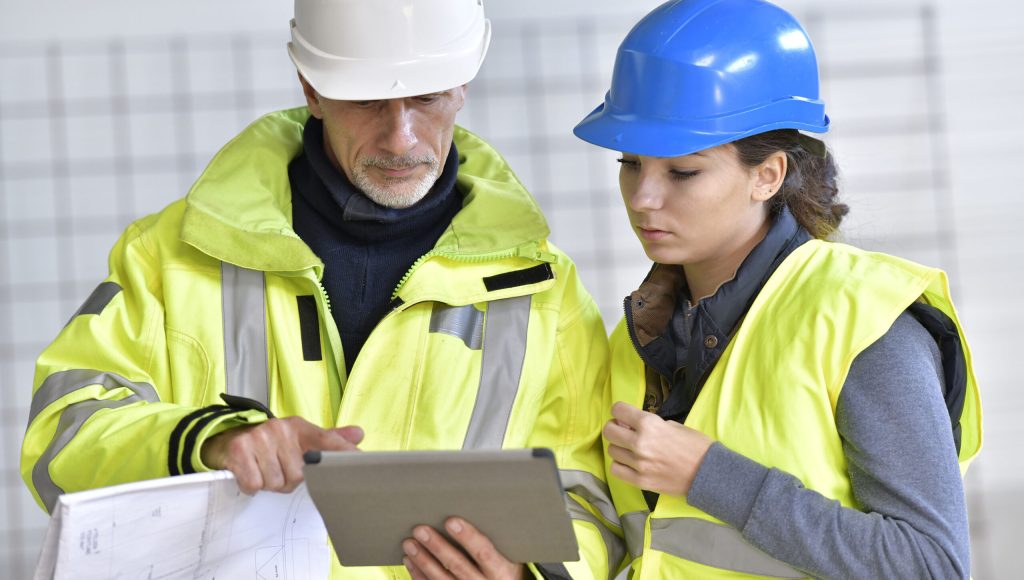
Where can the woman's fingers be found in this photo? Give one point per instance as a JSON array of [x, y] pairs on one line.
[[626, 473], [622, 455], [628, 414], [619, 434]]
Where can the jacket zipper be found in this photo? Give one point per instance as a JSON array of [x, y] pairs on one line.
[[326, 296], [632, 333], [530, 251]]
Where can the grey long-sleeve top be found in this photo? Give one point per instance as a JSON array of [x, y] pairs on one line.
[[903, 469]]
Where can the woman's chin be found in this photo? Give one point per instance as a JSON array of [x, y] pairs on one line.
[[662, 254]]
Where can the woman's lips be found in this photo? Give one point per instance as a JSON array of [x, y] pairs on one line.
[[652, 235]]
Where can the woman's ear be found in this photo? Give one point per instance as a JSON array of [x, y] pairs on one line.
[[769, 176]]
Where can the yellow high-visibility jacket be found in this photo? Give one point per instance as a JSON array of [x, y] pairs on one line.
[[772, 398], [491, 341]]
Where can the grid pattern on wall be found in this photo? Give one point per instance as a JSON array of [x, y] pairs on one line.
[[93, 135]]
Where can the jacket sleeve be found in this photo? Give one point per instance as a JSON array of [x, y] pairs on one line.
[[572, 415], [104, 409], [903, 470]]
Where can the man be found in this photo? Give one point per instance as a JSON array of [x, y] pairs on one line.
[[364, 262]]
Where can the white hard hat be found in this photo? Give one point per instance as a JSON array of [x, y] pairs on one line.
[[360, 50]]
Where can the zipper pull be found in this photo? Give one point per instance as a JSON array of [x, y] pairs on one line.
[[533, 252], [547, 257]]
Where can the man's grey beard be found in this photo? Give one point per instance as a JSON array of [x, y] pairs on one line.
[[396, 193]]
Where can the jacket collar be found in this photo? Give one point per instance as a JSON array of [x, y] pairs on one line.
[[732, 300], [239, 210], [663, 327]]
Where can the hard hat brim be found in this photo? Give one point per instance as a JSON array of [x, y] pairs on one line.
[[658, 137]]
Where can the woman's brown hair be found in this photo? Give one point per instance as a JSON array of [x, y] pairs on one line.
[[810, 188]]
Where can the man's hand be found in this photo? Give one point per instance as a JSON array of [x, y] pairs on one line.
[[269, 455], [431, 556], [652, 453]]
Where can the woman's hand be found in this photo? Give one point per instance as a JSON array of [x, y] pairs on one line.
[[652, 453], [429, 555]]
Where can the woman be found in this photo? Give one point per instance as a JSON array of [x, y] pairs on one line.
[[789, 406]]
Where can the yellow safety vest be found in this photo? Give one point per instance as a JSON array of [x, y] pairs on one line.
[[772, 398], [491, 341]]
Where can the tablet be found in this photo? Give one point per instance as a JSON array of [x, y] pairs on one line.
[[371, 501]]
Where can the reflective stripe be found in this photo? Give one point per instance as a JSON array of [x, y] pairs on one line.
[[74, 416], [592, 489], [463, 322], [715, 545], [612, 543], [64, 382], [98, 300], [501, 368], [245, 333], [633, 530]]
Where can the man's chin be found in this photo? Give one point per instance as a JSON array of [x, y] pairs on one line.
[[396, 197], [396, 193]]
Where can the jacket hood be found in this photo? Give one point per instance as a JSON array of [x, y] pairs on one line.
[[240, 211]]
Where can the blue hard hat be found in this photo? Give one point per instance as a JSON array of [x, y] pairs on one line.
[[694, 74]]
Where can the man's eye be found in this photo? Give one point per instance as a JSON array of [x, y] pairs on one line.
[[629, 163]]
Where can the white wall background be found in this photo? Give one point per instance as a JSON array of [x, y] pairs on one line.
[[108, 110]]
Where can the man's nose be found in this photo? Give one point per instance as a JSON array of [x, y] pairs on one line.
[[398, 126]]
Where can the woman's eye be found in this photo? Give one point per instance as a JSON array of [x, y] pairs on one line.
[[683, 175], [628, 163]]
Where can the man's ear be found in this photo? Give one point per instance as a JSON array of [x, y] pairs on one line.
[[312, 98], [769, 176], [461, 94]]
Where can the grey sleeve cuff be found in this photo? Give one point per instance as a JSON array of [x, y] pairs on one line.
[[727, 485]]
